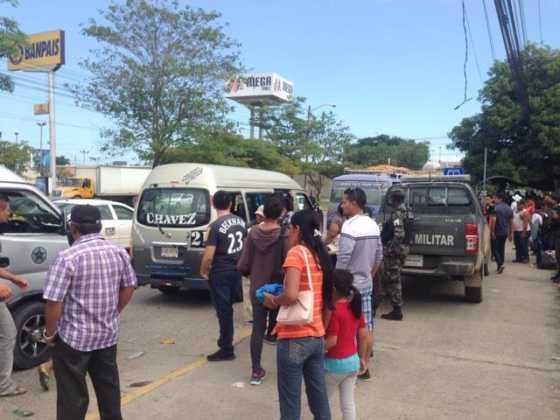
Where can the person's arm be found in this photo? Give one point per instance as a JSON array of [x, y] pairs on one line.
[[57, 283], [345, 249], [525, 220], [330, 341], [290, 293], [378, 258], [363, 336], [332, 330], [15, 279], [246, 258], [5, 292], [128, 283], [207, 261], [493, 225], [53, 311]]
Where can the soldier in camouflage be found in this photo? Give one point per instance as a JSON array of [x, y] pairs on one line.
[[395, 250]]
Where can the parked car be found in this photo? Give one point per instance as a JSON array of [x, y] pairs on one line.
[[447, 231], [116, 218], [29, 243]]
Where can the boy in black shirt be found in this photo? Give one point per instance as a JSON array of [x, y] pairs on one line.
[[219, 266]]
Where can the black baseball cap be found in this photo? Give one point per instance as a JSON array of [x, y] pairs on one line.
[[85, 214]]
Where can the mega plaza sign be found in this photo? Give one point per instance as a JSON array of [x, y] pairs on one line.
[[259, 88]]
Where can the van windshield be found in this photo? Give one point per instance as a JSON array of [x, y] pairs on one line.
[[174, 207], [373, 191]]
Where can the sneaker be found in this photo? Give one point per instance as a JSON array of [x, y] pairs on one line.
[[555, 276], [364, 376], [500, 269], [395, 315], [270, 339], [221, 356], [257, 376]]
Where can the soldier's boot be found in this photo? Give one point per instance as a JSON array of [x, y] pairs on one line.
[[395, 315]]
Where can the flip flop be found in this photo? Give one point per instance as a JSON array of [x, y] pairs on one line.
[[18, 391], [44, 377]]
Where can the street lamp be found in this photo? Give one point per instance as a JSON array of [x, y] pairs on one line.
[[41, 125]]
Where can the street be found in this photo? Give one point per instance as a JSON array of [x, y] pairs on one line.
[[447, 360]]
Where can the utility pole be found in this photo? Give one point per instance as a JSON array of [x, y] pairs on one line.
[[41, 125], [84, 154], [52, 132]]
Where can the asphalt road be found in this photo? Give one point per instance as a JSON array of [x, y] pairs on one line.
[[447, 360]]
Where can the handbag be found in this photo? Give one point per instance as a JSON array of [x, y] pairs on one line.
[[299, 312]]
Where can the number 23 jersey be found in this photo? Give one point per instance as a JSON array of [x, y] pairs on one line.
[[227, 234]]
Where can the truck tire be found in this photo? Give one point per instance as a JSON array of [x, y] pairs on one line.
[[30, 323], [473, 294]]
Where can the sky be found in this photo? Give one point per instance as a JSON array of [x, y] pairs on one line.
[[390, 66]]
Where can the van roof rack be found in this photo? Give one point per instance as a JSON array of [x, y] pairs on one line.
[[437, 178]]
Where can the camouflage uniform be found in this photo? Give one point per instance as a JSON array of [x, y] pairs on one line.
[[394, 254]]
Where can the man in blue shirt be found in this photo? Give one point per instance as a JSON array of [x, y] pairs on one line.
[[501, 227]]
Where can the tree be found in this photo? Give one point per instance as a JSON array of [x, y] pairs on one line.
[[228, 148], [10, 37], [15, 157], [62, 160], [523, 146], [315, 145], [159, 75], [381, 149]]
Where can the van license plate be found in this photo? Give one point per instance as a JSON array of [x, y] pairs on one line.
[[414, 261], [169, 252]]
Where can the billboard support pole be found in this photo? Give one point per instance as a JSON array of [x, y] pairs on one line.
[[252, 122], [52, 132]]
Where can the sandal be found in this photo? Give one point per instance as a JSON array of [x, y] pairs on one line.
[[44, 377], [18, 391]]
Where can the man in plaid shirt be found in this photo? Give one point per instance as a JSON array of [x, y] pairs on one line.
[[87, 287]]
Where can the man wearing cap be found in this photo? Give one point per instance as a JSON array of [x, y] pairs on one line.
[[87, 287]]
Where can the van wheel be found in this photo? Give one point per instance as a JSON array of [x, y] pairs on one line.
[[473, 294], [486, 270], [30, 351], [169, 291]]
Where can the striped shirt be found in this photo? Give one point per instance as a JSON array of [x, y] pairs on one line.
[[295, 259], [87, 278], [359, 249]]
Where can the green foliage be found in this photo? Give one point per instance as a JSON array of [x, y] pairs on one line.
[[15, 157], [314, 144], [159, 75], [10, 36], [62, 160], [525, 148], [227, 148], [378, 150]]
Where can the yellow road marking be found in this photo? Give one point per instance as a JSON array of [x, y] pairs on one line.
[[170, 377]]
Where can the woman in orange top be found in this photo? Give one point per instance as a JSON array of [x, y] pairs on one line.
[[300, 349]]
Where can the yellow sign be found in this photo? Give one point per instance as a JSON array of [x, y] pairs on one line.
[[42, 52]]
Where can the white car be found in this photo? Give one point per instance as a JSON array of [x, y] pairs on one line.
[[116, 218]]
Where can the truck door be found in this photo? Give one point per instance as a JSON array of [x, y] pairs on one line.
[[32, 238]]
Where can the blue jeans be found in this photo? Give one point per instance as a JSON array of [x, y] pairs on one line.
[[297, 359], [224, 287], [521, 246]]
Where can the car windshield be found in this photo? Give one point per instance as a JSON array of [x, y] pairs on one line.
[[30, 214], [373, 190], [174, 207]]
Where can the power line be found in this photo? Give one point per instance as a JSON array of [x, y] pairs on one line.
[[522, 20], [492, 49], [473, 46], [466, 62]]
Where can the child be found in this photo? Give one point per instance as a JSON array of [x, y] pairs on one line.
[[342, 363]]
